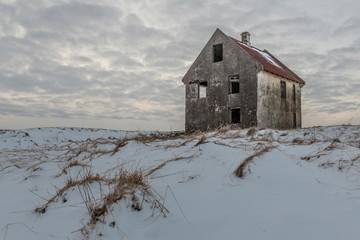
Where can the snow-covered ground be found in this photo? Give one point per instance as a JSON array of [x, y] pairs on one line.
[[70, 183]]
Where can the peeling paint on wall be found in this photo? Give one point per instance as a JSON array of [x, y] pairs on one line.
[[274, 111]]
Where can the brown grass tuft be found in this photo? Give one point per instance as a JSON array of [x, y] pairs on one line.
[[40, 210], [251, 131], [151, 171], [121, 143], [239, 172], [354, 159], [202, 140], [223, 129], [125, 185], [297, 141], [88, 178], [71, 164]]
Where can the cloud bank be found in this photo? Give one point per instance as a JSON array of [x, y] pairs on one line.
[[119, 64]]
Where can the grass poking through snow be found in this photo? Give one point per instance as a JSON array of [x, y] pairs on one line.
[[240, 170]]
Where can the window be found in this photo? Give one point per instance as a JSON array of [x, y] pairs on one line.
[[283, 89], [235, 115], [218, 52], [234, 84], [294, 96], [202, 89], [294, 120]]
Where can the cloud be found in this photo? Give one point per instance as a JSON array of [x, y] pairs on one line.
[[124, 61], [67, 17], [348, 27]]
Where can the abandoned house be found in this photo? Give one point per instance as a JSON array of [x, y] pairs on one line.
[[233, 83]]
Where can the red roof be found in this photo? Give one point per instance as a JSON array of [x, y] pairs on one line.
[[269, 62]]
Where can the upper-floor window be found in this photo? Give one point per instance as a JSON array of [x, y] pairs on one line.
[[234, 84], [283, 89], [203, 89], [218, 52]]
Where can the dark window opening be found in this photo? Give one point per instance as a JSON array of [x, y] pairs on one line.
[[294, 96], [234, 84], [235, 115], [203, 89], [218, 52], [294, 119], [283, 89]]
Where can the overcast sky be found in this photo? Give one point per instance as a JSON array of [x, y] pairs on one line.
[[118, 64]]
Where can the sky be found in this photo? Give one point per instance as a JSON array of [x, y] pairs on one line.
[[118, 64]]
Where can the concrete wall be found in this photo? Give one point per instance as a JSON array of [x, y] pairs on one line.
[[213, 111], [274, 111]]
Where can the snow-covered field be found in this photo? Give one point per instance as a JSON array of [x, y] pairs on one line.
[[70, 183]]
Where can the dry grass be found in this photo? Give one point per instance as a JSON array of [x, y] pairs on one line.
[[128, 185], [297, 141], [131, 186], [74, 163], [240, 171], [91, 147], [222, 129], [341, 164], [121, 143], [88, 178], [310, 158], [354, 159], [151, 171], [123, 185], [202, 140], [157, 136], [185, 142], [251, 131], [333, 146]]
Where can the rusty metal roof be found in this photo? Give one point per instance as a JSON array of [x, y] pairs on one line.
[[269, 62]]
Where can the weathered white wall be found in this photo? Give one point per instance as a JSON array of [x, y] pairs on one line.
[[272, 110]]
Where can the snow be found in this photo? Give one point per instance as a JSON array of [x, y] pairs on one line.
[[305, 187], [266, 56]]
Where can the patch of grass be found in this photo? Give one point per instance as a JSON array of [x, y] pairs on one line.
[[202, 140], [151, 171], [310, 158], [297, 141], [251, 131], [354, 159], [131, 186], [121, 143], [326, 164], [74, 163], [88, 178], [333, 144], [240, 170], [40, 210], [128, 185], [222, 129]]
